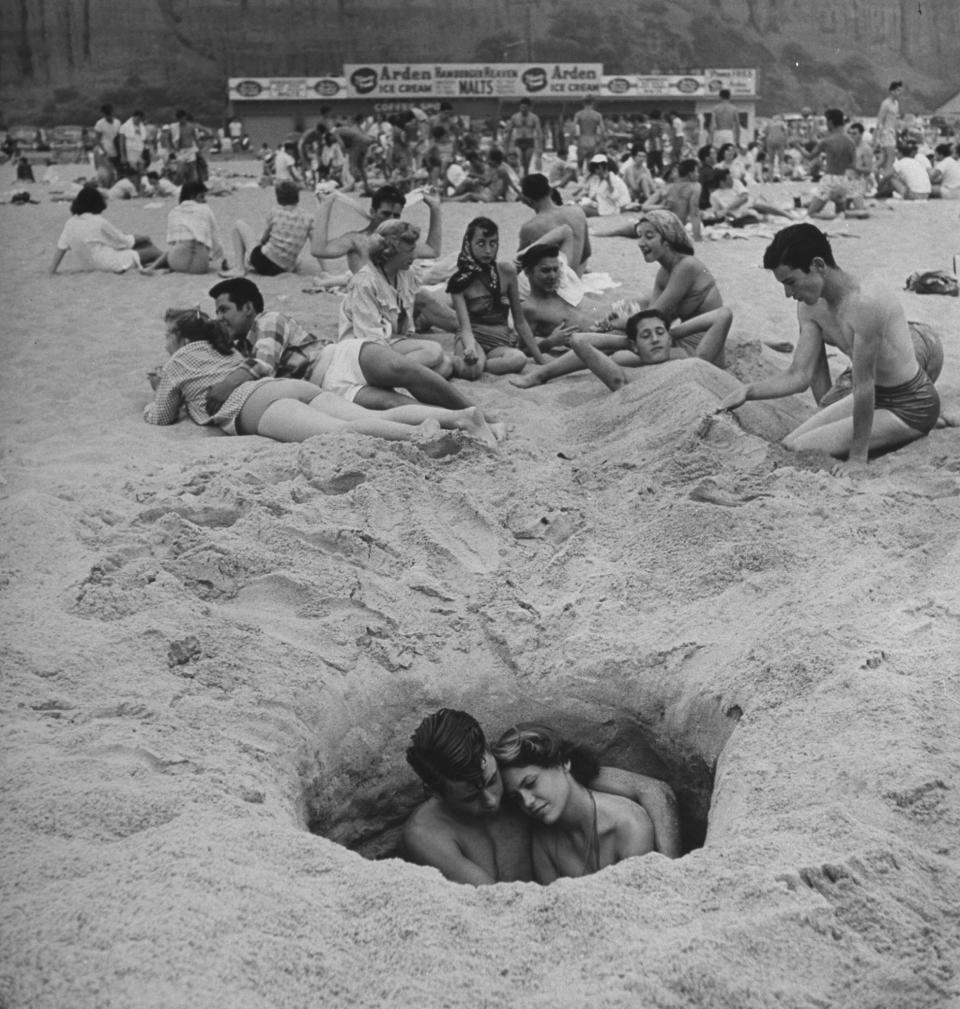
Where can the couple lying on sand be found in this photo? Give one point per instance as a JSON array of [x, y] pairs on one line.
[[564, 815]]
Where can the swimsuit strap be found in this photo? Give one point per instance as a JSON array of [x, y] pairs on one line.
[[593, 846]]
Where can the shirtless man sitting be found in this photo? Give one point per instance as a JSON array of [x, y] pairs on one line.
[[537, 194], [386, 204], [894, 400], [466, 831]]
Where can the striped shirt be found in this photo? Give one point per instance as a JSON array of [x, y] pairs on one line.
[[184, 381]]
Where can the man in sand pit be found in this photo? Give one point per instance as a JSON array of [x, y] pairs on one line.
[[466, 831], [894, 400], [360, 371]]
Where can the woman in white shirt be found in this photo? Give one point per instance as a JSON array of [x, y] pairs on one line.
[[97, 243], [192, 234], [606, 192]]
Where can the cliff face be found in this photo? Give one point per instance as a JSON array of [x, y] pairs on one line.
[[76, 53]]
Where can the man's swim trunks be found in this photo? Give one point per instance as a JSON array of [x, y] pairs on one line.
[[926, 345], [916, 402]]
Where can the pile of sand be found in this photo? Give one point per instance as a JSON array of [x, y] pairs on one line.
[[209, 643]]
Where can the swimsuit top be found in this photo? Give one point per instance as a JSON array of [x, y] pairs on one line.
[[486, 309]]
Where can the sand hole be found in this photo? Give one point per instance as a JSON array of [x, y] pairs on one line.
[[361, 799]]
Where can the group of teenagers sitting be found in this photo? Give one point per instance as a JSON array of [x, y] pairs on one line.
[[252, 371]]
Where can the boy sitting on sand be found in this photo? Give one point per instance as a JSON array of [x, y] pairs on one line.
[[894, 400]]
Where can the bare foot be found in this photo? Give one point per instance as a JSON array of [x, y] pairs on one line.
[[471, 421], [527, 381]]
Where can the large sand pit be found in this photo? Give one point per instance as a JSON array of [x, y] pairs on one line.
[[214, 652]]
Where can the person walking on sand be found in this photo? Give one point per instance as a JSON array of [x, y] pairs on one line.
[[885, 133], [894, 401]]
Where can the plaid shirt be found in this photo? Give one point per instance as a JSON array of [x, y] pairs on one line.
[[289, 228], [184, 381], [278, 346]]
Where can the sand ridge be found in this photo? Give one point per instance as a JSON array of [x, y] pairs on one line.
[[208, 642]]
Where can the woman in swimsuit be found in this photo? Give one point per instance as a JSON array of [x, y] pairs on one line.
[[485, 293], [579, 831], [201, 353]]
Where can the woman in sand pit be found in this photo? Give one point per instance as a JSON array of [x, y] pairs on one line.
[[201, 353], [684, 291], [485, 293], [96, 242], [192, 234], [579, 831]]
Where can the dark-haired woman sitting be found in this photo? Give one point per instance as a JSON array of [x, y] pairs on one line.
[[97, 243], [579, 831]]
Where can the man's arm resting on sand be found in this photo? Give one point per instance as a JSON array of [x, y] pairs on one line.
[[426, 845], [656, 797], [790, 382]]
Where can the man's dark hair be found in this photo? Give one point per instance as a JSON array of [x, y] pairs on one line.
[[241, 291], [894, 85], [704, 152], [287, 193], [688, 167], [137, 112], [448, 744], [536, 253], [834, 117], [725, 94], [107, 110], [858, 127], [495, 156], [387, 194], [535, 186], [648, 313], [796, 247]]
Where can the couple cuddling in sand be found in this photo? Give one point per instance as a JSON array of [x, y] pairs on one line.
[[534, 806]]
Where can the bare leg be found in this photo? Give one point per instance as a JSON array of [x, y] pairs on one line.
[[569, 362], [505, 361], [244, 240], [384, 368], [429, 353], [292, 421], [831, 431]]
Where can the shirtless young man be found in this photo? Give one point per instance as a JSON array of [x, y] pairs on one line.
[[547, 216], [893, 401], [840, 181], [525, 136], [681, 197], [652, 340], [466, 830], [590, 129], [885, 133]]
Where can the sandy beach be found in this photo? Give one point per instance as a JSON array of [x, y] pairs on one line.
[[215, 650]]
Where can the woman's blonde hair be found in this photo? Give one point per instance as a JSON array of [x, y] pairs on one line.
[[388, 238]]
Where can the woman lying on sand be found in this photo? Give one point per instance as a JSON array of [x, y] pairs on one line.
[[192, 234], [684, 291], [579, 831], [97, 243], [201, 354], [485, 293]]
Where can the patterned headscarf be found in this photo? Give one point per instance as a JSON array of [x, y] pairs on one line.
[[468, 269], [670, 229]]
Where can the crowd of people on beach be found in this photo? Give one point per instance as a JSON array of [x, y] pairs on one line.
[[414, 328]]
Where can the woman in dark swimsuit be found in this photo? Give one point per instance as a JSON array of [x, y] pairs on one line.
[[485, 294]]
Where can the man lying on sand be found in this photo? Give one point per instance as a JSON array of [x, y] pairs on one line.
[[466, 832], [652, 340], [894, 400]]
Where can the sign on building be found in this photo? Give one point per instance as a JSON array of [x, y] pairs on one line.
[[470, 80]]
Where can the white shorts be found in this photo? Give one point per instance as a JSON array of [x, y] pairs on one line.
[[337, 369]]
